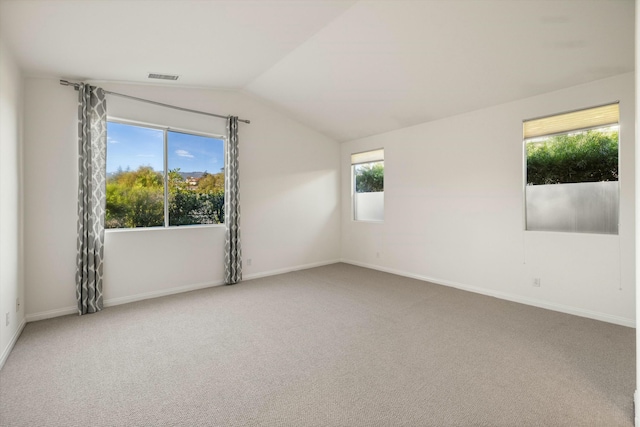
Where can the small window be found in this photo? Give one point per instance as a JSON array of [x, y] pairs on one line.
[[367, 171], [158, 177], [572, 171]]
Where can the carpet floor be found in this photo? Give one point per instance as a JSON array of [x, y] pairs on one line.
[[331, 346]]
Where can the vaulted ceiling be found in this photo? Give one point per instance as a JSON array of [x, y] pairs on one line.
[[346, 68]]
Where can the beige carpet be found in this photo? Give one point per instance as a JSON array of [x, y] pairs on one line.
[[331, 346]]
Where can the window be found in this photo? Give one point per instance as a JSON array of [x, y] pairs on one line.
[[572, 171], [367, 171], [160, 177]]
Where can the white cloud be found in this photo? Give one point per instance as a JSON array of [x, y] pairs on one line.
[[184, 153], [112, 141]]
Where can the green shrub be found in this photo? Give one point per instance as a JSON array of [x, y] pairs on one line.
[[590, 156], [369, 177]]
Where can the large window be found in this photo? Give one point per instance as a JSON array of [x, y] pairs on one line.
[[367, 171], [572, 171], [160, 177]]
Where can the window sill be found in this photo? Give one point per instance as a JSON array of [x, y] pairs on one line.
[[571, 233], [173, 227]]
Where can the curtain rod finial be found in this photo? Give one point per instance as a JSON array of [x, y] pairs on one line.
[[68, 83]]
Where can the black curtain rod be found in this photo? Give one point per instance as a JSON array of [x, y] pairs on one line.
[[77, 85]]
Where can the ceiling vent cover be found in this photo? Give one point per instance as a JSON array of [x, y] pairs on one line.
[[163, 76]]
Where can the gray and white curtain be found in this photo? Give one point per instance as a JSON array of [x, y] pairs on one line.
[[232, 248], [92, 143]]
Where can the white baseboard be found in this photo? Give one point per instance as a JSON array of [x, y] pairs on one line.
[[12, 343], [288, 269], [156, 294], [51, 313], [123, 300], [502, 295], [506, 296], [163, 293]]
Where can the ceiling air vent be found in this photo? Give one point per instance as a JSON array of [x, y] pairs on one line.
[[163, 76]]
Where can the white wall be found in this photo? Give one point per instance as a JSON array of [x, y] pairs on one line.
[[11, 266], [289, 186], [454, 210]]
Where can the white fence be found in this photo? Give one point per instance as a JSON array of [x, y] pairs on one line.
[[586, 207]]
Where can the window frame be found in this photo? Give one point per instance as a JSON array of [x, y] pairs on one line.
[[352, 166], [526, 140], [165, 175]]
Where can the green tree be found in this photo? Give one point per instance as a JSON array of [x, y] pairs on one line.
[[211, 189], [369, 177], [211, 182], [590, 156], [134, 199], [188, 207], [203, 204]]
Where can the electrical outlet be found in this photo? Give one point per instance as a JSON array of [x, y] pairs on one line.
[[249, 260], [536, 282], [377, 254], [6, 321]]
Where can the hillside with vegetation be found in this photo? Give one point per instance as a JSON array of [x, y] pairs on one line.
[[136, 198]]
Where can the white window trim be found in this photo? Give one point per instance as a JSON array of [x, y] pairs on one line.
[[377, 156]]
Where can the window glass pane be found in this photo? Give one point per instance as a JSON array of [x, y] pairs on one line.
[[368, 203], [135, 185], [196, 179], [369, 177], [572, 182]]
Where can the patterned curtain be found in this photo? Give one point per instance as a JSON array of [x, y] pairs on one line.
[[92, 143], [232, 248]]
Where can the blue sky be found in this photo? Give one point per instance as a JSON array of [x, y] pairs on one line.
[[134, 146]]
